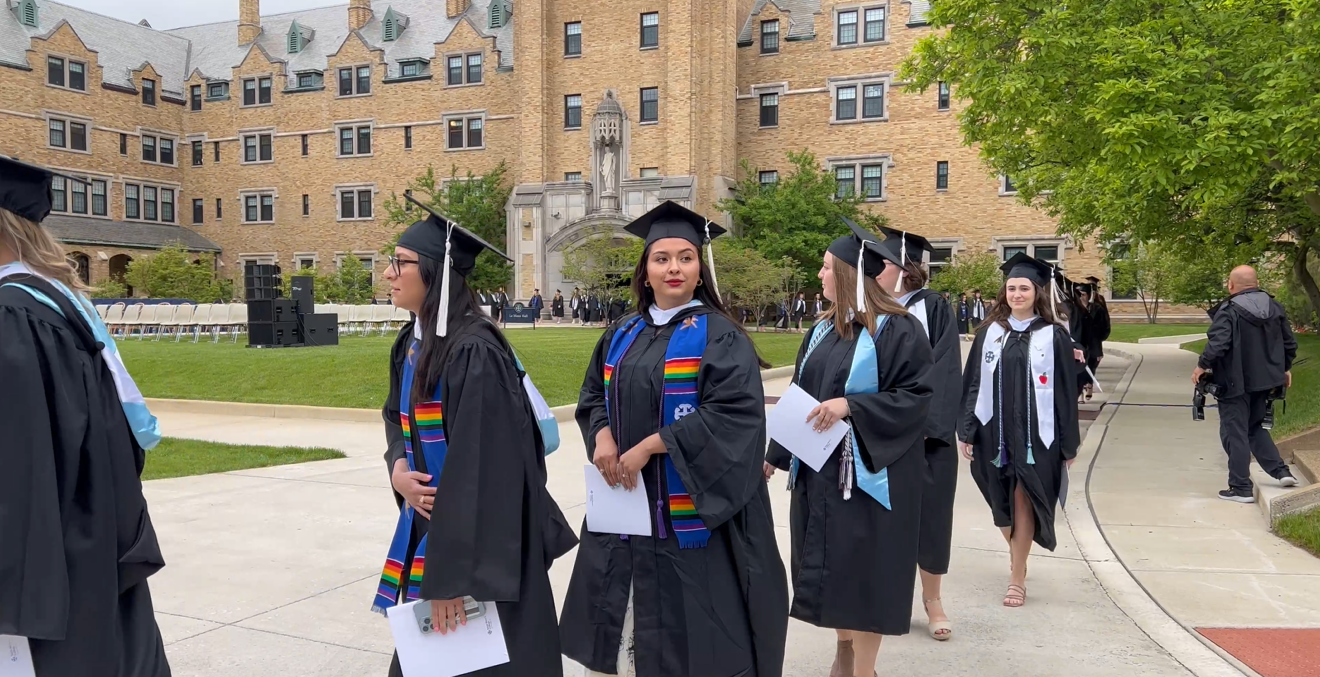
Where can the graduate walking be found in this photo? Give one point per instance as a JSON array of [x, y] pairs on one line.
[[672, 405], [76, 541], [557, 307], [1019, 414], [496, 530], [855, 524], [906, 277]]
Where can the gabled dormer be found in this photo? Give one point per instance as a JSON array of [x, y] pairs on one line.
[[298, 38], [27, 13], [500, 13], [393, 25]]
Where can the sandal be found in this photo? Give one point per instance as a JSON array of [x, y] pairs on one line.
[[1014, 599], [843, 660], [939, 630]]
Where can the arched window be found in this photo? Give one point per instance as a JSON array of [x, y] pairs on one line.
[[83, 264]]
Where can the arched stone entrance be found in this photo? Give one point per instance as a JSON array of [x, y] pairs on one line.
[[119, 271], [82, 263], [570, 236]]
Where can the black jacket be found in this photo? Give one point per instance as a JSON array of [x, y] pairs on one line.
[[1250, 344]]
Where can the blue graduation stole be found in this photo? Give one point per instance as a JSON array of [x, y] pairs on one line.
[[682, 361], [425, 425], [863, 377]]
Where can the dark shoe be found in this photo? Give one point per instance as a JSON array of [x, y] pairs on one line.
[[1238, 495], [1287, 479]]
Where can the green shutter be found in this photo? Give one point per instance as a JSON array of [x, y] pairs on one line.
[[390, 30], [28, 13], [496, 18], [295, 38]]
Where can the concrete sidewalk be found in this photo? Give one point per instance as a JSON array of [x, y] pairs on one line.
[[271, 571]]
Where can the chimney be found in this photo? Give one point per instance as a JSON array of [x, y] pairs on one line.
[[455, 8], [359, 13], [249, 21]]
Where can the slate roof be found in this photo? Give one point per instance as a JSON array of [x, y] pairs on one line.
[[801, 24], [82, 230], [123, 47]]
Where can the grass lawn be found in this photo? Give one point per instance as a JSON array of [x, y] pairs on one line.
[[1130, 333], [1302, 530], [1302, 411], [184, 458], [356, 372]]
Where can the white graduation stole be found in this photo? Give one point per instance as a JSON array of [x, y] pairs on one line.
[[918, 310], [1042, 377]]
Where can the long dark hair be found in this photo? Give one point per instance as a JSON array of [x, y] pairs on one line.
[[1000, 311], [464, 309], [645, 296]]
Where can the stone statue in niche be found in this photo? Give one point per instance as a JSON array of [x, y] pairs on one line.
[[608, 143], [607, 171]]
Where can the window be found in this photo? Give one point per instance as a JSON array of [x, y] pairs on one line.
[[845, 103], [257, 148], [355, 140], [410, 69], [148, 148], [77, 136], [573, 176], [465, 133], [845, 30], [650, 172], [944, 95], [217, 90], [59, 194], [474, 68], [216, 147], [942, 175], [67, 134], [219, 209], [768, 178], [355, 204], [873, 101], [306, 264], [78, 189], [770, 37], [573, 38], [846, 178], [1047, 252], [874, 29], [1007, 187], [456, 133], [195, 97], [1014, 250], [1122, 281], [307, 205], [407, 138], [770, 110], [100, 206], [197, 153], [68, 74], [147, 203], [166, 151], [149, 92], [355, 81], [259, 208], [940, 258], [305, 148], [873, 181], [256, 92], [573, 111], [131, 202], [198, 211], [309, 80], [475, 129], [455, 75], [650, 30], [123, 143], [455, 70], [150, 205], [650, 104], [249, 92]]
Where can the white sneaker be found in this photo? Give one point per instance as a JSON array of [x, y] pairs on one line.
[[1287, 481]]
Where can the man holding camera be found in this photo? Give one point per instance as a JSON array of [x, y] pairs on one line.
[[1248, 359]]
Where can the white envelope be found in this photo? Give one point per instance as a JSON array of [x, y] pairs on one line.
[[615, 510], [15, 657], [475, 646], [787, 425]]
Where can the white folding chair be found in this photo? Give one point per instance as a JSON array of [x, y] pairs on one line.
[[320, 308], [381, 316], [183, 317], [359, 315], [238, 319], [132, 318], [401, 316], [200, 320], [101, 310], [164, 318], [219, 320], [114, 317]]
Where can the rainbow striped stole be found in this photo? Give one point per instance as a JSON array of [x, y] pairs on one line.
[[422, 425], [680, 398]]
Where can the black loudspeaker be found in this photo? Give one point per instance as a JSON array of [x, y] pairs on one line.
[[273, 334], [272, 310], [301, 288], [321, 330]]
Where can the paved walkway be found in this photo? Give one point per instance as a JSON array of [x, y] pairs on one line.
[[271, 571]]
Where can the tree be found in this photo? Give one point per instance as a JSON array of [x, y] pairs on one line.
[[968, 271], [1144, 121], [602, 263], [796, 217], [1150, 273], [475, 202], [749, 280], [171, 274], [110, 288]]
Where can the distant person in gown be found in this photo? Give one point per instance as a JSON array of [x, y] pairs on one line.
[[537, 304], [1022, 367], [1101, 325], [476, 519], [903, 254], [77, 544], [799, 310], [672, 405], [557, 307], [964, 315], [575, 304], [817, 308], [855, 525]]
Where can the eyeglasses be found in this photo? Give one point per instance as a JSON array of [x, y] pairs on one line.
[[397, 264]]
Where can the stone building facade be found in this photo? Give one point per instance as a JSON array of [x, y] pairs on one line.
[[278, 138]]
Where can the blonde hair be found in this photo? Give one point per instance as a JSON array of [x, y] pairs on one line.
[[845, 301], [35, 248]]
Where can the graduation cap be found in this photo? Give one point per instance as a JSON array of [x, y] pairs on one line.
[[1023, 266], [440, 238], [25, 189], [671, 219], [1081, 288], [858, 250], [1095, 281], [903, 247]]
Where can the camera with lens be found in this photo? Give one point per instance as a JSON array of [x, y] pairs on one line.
[[1204, 386], [1279, 394]]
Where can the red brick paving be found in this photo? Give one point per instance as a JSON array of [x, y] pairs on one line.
[[1272, 652]]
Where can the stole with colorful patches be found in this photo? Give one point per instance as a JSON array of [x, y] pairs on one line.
[[682, 362], [424, 425]]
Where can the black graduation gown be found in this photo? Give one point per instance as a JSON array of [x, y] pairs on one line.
[[941, 436], [853, 561], [557, 306], [1042, 479], [1079, 330], [1100, 328], [76, 541], [718, 611], [501, 530]]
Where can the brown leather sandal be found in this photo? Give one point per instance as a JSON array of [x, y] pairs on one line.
[[843, 660], [1015, 597]]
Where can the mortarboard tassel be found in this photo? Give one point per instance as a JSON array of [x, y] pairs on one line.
[[902, 267], [861, 278], [442, 317], [710, 262], [1055, 297]]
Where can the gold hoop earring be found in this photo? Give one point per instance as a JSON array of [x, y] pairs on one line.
[[700, 282], [646, 283]]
